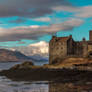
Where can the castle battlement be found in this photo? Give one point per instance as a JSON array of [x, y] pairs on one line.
[[62, 47]]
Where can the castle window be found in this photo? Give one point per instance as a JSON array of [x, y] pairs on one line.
[[61, 47], [62, 43], [57, 47]]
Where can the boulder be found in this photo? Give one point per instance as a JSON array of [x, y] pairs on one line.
[[23, 65]]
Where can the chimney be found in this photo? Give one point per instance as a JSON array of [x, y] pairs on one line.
[[90, 35], [84, 39]]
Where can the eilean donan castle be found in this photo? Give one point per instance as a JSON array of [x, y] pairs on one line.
[[62, 47]]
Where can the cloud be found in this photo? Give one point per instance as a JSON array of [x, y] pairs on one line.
[[41, 48], [35, 32], [50, 20], [82, 12], [85, 12], [43, 19], [20, 42], [29, 8], [66, 8]]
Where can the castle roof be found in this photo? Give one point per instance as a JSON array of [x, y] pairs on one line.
[[89, 42], [62, 38]]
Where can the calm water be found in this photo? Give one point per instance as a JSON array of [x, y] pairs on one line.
[[7, 85]]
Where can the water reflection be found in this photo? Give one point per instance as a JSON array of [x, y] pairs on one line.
[[7, 85], [11, 86], [69, 87]]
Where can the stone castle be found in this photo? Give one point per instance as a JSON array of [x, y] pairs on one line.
[[62, 47]]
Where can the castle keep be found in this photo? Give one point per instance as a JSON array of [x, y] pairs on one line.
[[62, 47]]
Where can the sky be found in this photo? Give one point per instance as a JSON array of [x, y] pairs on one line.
[[26, 22]]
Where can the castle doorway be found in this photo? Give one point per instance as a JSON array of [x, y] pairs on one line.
[[90, 54]]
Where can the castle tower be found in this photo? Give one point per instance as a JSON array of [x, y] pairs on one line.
[[90, 35]]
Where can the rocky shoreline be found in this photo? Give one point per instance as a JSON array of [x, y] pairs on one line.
[[28, 72]]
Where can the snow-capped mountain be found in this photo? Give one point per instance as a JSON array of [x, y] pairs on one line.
[[37, 50]]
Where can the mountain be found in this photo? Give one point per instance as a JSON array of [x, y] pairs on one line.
[[37, 57], [36, 52], [39, 49], [8, 55]]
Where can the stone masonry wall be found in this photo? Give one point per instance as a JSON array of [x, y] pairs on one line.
[[60, 48], [57, 50]]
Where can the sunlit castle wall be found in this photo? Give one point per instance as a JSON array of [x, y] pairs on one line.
[[90, 35]]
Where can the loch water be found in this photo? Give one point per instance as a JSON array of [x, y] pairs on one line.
[[7, 85]]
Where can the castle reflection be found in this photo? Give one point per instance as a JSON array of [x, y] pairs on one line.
[[69, 87]]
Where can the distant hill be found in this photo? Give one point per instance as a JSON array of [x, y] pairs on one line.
[[37, 50], [37, 57], [8, 55]]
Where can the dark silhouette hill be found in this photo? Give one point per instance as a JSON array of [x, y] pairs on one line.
[[8, 55]]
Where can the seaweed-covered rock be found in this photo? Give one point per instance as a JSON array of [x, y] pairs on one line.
[[27, 63], [23, 65]]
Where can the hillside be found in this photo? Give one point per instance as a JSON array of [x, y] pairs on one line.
[[8, 55], [73, 62]]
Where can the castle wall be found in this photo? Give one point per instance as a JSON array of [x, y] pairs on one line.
[[78, 49], [75, 49], [85, 48], [89, 48], [60, 48], [57, 51], [90, 35], [70, 47]]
